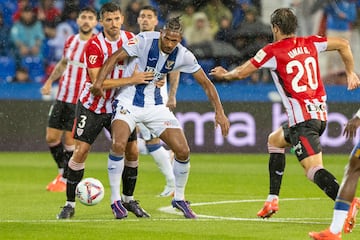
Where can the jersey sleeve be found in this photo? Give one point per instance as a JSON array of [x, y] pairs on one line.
[[189, 63], [134, 45], [94, 56], [319, 42], [263, 57]]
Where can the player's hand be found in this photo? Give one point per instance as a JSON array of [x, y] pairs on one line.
[[97, 90], [351, 127], [218, 73], [160, 83], [141, 77], [46, 89], [171, 103], [353, 81], [223, 121]]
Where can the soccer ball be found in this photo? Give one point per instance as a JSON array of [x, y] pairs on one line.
[[90, 191]]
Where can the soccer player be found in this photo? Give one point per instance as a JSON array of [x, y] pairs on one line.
[[344, 212], [95, 112], [294, 66], [72, 73], [160, 53], [147, 21]]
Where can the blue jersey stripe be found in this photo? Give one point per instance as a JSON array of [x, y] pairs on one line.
[[152, 60]]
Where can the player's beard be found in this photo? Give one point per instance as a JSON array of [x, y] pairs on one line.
[[113, 32], [86, 29], [86, 32]]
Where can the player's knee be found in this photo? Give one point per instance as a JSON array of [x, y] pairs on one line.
[[52, 140], [80, 153], [273, 140], [182, 153], [118, 147]]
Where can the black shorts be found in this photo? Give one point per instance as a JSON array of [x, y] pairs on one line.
[[88, 125], [305, 138], [61, 115], [286, 130]]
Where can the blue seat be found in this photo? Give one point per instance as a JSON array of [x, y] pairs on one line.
[[8, 68], [35, 66]]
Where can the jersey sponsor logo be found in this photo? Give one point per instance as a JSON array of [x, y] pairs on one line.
[[316, 107], [92, 59], [157, 75], [132, 41], [260, 55]]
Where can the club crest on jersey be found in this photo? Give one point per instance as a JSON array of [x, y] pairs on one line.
[[169, 64], [122, 110], [132, 41], [79, 131], [92, 59]]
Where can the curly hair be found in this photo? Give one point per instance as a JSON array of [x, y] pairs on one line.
[[174, 25]]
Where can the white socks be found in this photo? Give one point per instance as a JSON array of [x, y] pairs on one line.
[[162, 159], [181, 172], [115, 169], [271, 197], [338, 221]]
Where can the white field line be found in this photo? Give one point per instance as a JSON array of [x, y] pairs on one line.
[[201, 217], [171, 210]]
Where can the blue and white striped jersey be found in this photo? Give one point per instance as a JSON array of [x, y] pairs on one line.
[[145, 52]]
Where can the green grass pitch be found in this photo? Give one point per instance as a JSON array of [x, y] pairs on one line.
[[226, 191]]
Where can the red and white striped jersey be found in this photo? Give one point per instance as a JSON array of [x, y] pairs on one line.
[[295, 70], [97, 51], [74, 76]]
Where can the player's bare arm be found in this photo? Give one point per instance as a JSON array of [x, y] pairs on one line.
[[108, 66], [343, 47], [55, 75], [137, 77], [240, 72], [212, 94], [173, 86]]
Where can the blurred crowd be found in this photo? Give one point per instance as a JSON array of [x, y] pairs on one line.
[[219, 32]]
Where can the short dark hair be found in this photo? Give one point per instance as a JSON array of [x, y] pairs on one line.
[[109, 7], [174, 25], [285, 19], [88, 9], [151, 8]]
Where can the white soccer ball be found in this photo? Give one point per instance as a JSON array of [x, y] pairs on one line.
[[90, 191]]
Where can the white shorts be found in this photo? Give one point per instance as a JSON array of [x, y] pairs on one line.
[[156, 118], [145, 133]]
